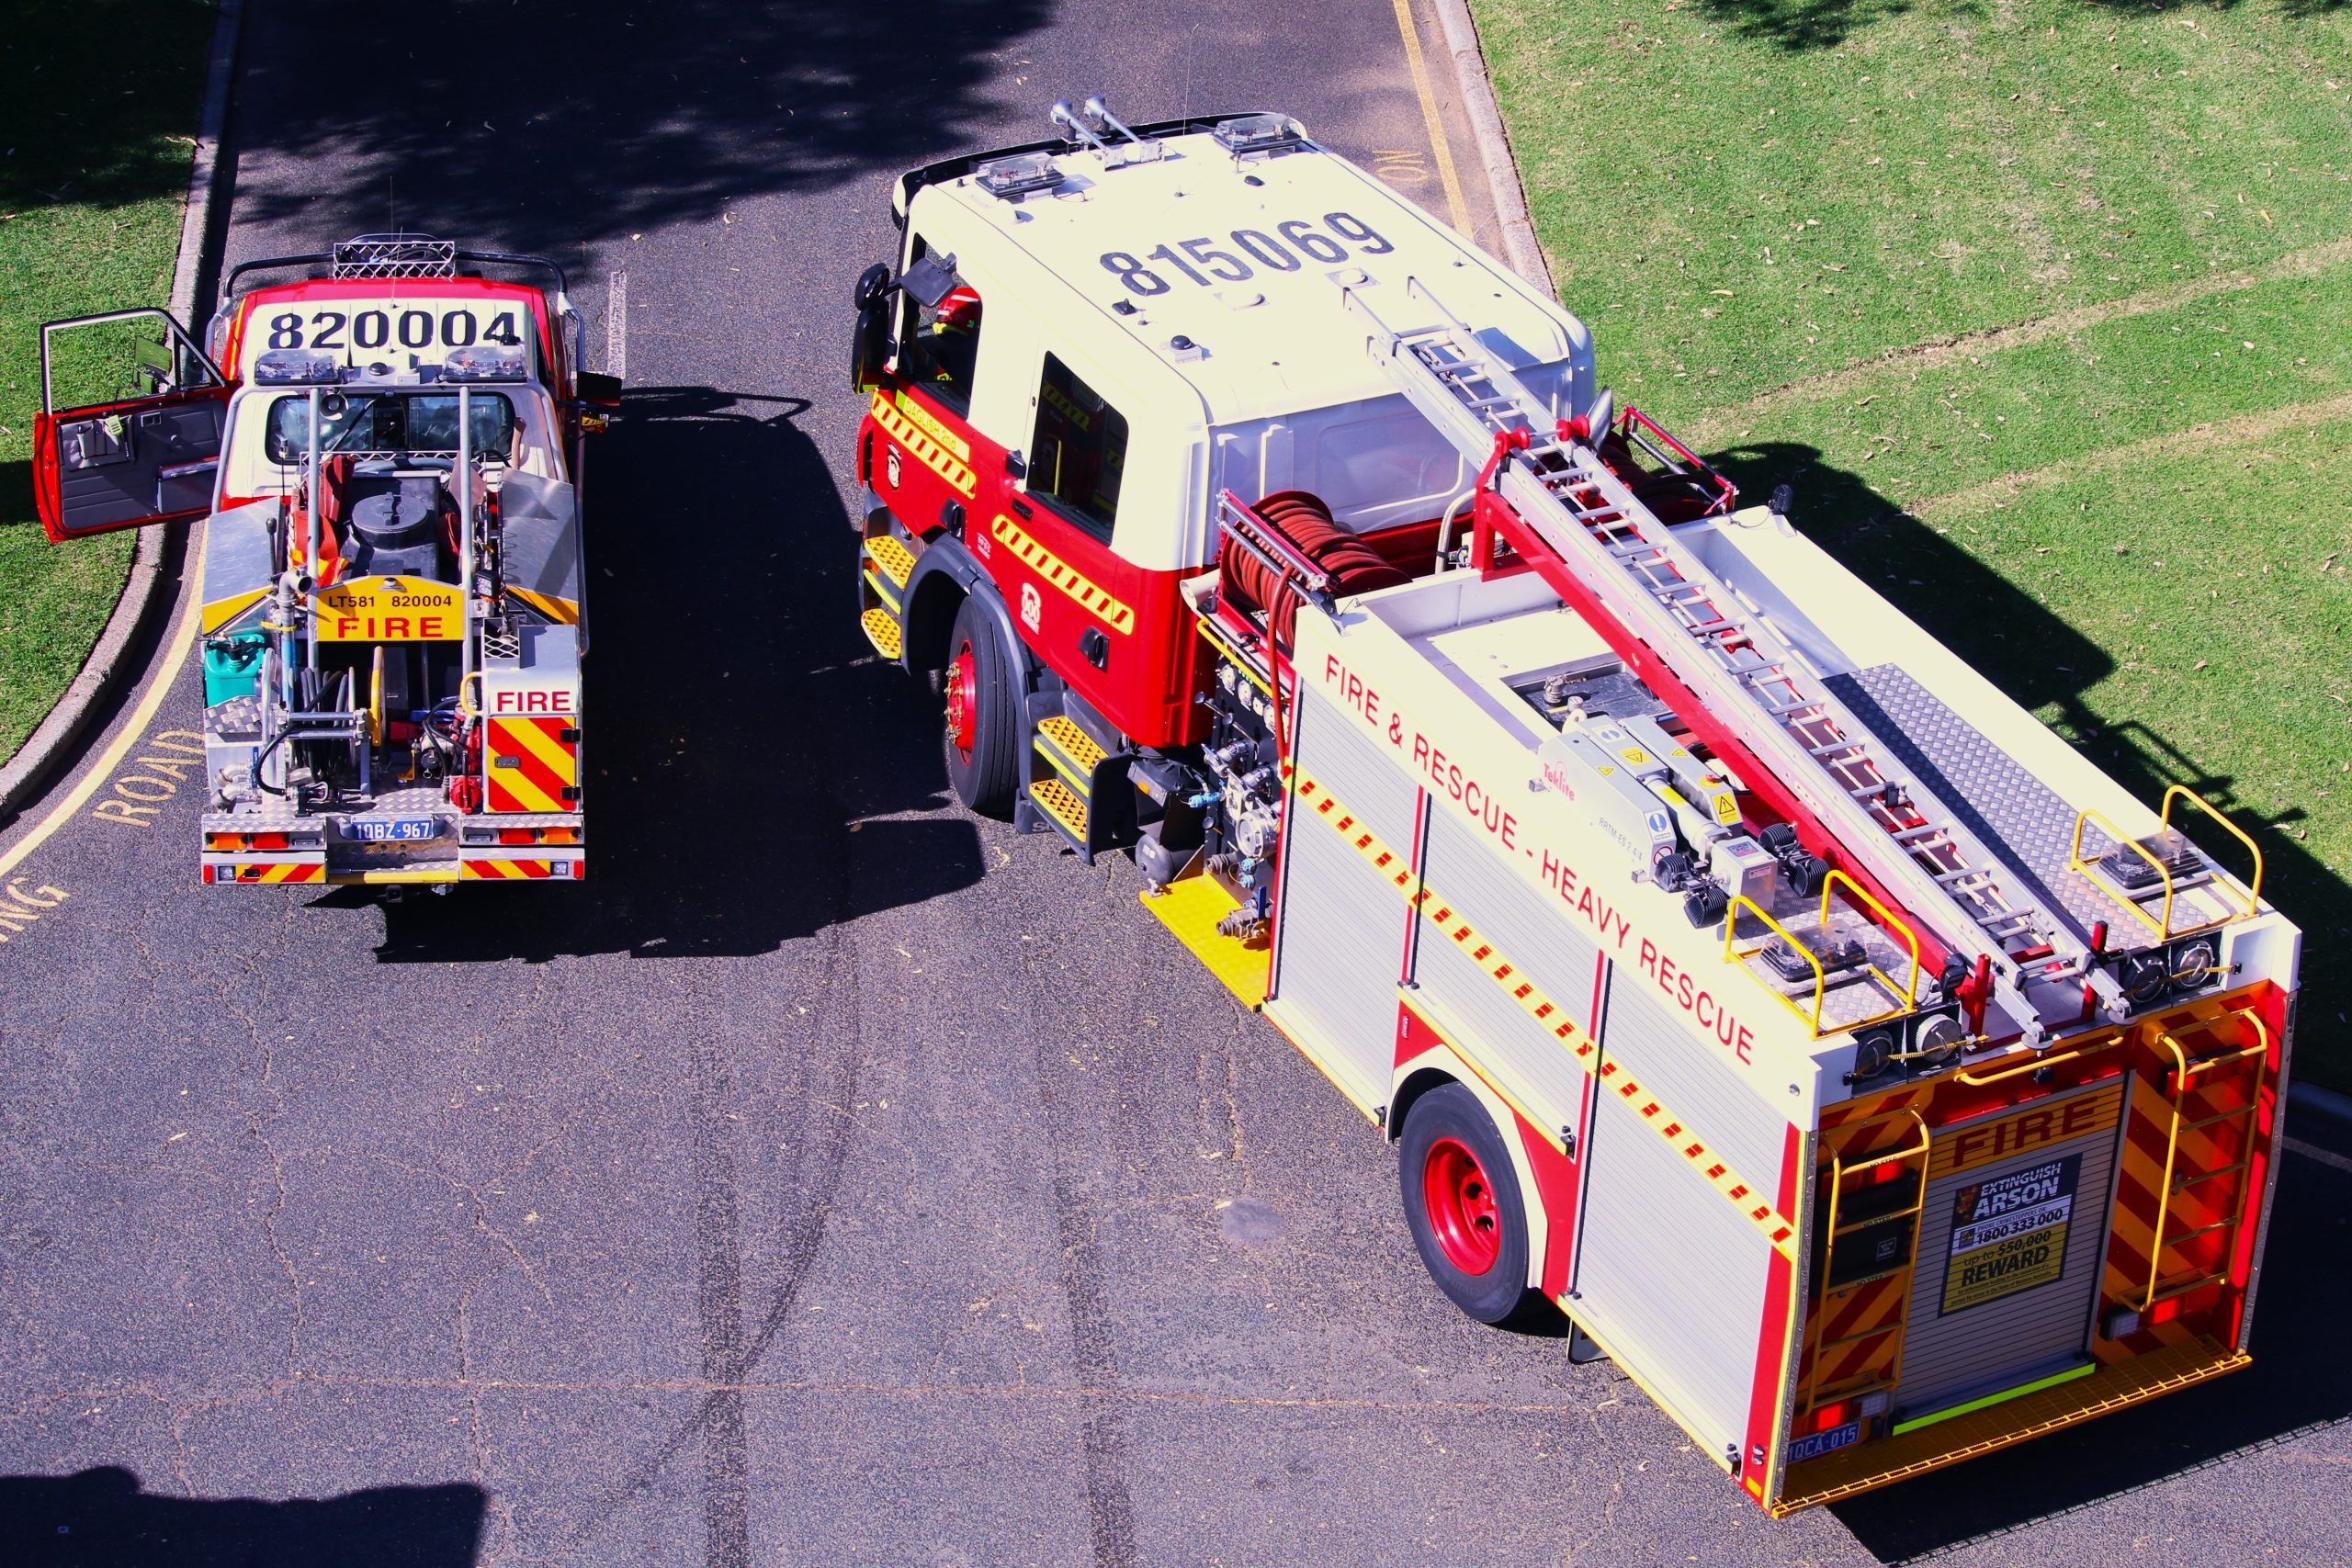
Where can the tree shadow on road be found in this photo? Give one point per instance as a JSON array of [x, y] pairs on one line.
[[2298, 1379], [102, 1516], [754, 773], [650, 114]]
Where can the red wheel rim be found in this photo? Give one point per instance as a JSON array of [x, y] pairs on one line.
[[963, 700], [1461, 1205]]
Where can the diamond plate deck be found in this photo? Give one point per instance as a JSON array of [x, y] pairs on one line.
[[2026, 824]]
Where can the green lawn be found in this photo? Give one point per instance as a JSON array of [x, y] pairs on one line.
[[2045, 311], [96, 135]]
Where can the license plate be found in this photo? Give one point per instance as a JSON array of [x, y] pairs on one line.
[[394, 829], [1822, 1442]]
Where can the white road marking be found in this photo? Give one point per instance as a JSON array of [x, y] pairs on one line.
[[617, 327]]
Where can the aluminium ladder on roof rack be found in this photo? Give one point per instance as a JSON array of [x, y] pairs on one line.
[[1624, 556]]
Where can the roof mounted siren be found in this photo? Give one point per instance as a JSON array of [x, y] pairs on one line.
[[1091, 122]]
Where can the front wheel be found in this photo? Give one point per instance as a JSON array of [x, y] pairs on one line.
[[981, 738], [1461, 1201]]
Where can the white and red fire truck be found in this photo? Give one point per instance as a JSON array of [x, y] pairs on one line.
[[1872, 1078], [385, 448]]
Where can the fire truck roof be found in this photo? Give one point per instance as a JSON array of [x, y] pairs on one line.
[[1225, 253]]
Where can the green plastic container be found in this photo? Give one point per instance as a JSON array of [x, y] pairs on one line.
[[233, 671]]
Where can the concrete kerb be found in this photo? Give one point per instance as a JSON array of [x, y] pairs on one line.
[[1520, 248], [111, 662]]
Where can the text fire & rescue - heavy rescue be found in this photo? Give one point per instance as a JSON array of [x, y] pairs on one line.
[[386, 452], [1876, 1081]]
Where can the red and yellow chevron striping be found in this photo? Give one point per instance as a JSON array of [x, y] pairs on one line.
[[1860, 1341], [508, 870], [2186, 1180], [913, 428], [1099, 603], [532, 765], [1398, 872]]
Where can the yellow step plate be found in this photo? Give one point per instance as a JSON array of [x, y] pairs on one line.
[[1060, 802], [882, 632], [1868, 1465], [898, 562], [1064, 736], [1190, 909]]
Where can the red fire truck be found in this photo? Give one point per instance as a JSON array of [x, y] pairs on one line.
[[386, 448], [1736, 970]]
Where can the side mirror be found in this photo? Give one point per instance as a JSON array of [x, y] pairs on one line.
[[598, 390], [870, 347]]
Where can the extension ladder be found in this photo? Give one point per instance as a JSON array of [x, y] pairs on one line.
[[1626, 559]]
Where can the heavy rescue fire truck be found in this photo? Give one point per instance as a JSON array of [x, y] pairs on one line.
[[1872, 1078], [388, 446]]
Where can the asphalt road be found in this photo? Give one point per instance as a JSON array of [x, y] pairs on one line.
[[833, 1179]]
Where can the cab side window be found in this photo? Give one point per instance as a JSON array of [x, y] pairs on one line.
[[1079, 452], [942, 330]]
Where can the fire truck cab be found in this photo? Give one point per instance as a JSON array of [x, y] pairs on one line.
[[385, 448], [1734, 968]]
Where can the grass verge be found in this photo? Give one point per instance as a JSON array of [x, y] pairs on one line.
[[2045, 310], [96, 135]]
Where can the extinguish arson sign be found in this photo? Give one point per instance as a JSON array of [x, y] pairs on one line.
[[2008, 1233]]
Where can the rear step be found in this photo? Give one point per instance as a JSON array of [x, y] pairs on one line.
[[1076, 787]]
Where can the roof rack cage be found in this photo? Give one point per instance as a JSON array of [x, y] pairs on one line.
[[395, 255]]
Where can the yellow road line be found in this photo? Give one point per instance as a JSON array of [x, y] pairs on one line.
[[177, 642], [1429, 117]]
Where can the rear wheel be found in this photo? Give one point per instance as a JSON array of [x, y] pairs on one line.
[[981, 739], [1461, 1201]]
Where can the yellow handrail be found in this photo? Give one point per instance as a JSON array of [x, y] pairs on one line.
[[1978, 1080], [1820, 978], [2182, 792], [2163, 927], [1888, 922], [2075, 862], [1820, 975]]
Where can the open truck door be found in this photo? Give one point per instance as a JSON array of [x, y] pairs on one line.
[[141, 440]]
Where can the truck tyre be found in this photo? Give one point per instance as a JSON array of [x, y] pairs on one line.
[[1461, 1201], [981, 740]]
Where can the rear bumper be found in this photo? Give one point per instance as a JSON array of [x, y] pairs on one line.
[[485, 865], [541, 847], [2112, 1388]]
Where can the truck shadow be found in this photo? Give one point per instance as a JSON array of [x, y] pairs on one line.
[[101, 1515], [754, 773], [2298, 1380], [2045, 665]]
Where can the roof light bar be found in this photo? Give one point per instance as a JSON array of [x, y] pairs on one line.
[[483, 362], [1257, 133], [296, 367], [1016, 176]]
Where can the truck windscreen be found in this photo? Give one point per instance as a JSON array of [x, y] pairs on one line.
[[389, 421]]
